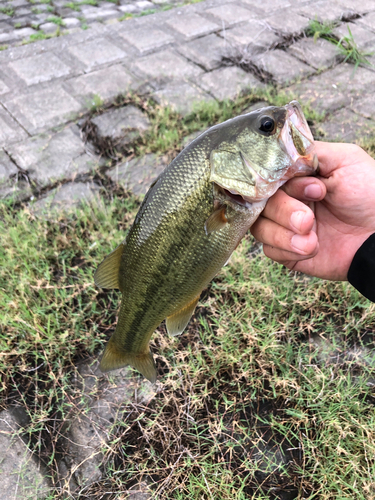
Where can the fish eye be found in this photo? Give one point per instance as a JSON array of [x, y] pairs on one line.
[[267, 124]]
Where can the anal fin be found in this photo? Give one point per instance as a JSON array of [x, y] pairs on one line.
[[177, 322], [107, 274], [217, 220], [114, 358]]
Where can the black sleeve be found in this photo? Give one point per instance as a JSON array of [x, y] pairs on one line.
[[362, 269]]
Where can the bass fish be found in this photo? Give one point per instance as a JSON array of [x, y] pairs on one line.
[[192, 219]]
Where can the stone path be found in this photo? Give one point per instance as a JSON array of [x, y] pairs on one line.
[[176, 57]]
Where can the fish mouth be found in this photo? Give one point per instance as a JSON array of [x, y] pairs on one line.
[[297, 141]]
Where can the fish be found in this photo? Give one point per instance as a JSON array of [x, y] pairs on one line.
[[191, 220]]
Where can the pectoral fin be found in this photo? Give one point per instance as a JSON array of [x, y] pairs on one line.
[[217, 220], [177, 322], [107, 274], [114, 358]]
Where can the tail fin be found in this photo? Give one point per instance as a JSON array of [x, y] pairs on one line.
[[114, 358]]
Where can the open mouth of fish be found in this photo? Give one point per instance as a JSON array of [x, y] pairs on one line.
[[297, 142]]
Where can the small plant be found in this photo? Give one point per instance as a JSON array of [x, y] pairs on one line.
[[8, 11], [56, 20], [17, 25], [40, 35], [96, 103], [126, 16], [73, 6], [88, 2], [350, 50], [320, 30]]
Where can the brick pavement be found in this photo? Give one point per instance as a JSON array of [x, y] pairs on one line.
[[174, 56]]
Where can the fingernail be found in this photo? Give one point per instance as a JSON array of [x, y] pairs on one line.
[[313, 191], [299, 242], [297, 218]]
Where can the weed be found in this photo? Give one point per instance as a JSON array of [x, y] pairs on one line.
[[73, 6], [126, 16], [349, 49], [3, 47], [56, 20], [318, 29], [17, 25], [8, 11]]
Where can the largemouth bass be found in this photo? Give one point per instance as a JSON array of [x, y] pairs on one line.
[[192, 219]]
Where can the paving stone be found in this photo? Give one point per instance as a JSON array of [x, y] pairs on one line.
[[20, 476], [334, 88], [71, 22], [146, 39], [65, 198], [165, 66], [282, 67], [228, 83], [255, 34], [97, 52], [128, 9], [363, 37], [365, 107], [138, 174], [144, 5], [358, 7], [326, 11], [267, 5], [182, 97], [206, 51], [102, 14], [192, 25], [42, 109], [10, 130], [319, 54], [53, 157], [12, 185], [286, 24], [40, 68], [368, 21], [121, 126], [347, 126], [48, 27], [100, 400], [107, 83], [19, 34], [231, 13], [3, 88]]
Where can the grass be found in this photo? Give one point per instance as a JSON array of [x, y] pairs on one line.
[[346, 45], [269, 392], [56, 20], [8, 11]]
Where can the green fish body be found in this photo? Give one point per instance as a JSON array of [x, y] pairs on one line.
[[190, 222]]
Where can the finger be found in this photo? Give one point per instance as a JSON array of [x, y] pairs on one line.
[[272, 234], [287, 259], [335, 155], [289, 213], [305, 188]]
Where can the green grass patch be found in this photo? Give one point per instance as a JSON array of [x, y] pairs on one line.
[[7, 10], [56, 20]]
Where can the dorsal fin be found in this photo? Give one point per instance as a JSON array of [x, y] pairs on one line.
[[217, 220], [177, 322], [107, 274]]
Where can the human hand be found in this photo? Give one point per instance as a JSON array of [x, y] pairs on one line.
[[343, 200]]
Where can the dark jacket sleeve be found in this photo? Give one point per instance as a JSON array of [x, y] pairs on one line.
[[362, 269]]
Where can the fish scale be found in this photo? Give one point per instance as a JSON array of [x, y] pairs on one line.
[[185, 231]]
